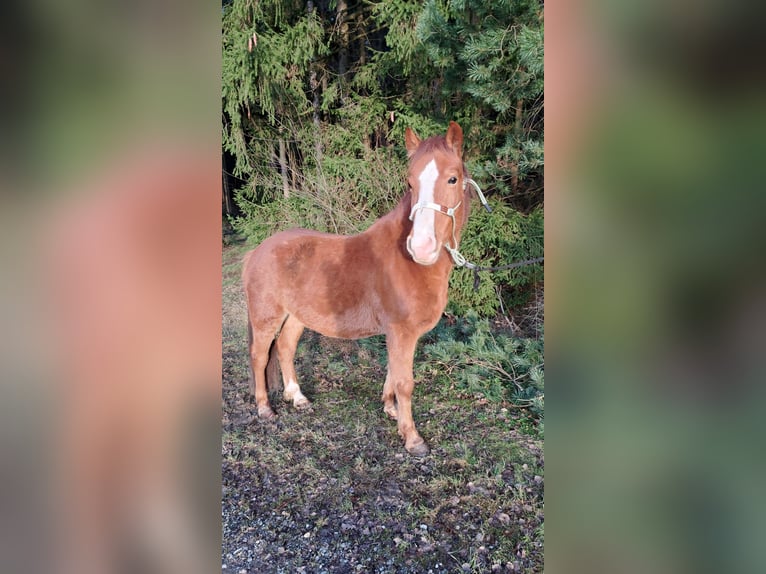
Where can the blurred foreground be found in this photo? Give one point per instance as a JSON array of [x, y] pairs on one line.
[[655, 287], [111, 288]]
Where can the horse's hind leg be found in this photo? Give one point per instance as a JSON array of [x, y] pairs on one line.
[[260, 343], [286, 345]]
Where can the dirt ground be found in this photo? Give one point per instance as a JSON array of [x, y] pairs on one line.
[[333, 490]]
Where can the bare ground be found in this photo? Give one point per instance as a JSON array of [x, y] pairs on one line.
[[333, 490]]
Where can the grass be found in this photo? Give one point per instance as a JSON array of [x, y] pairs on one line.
[[476, 500]]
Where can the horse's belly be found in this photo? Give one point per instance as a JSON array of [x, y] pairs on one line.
[[349, 333], [354, 323]]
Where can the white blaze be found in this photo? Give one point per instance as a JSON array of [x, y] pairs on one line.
[[423, 235]]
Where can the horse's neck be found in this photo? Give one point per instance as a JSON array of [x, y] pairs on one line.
[[393, 226]]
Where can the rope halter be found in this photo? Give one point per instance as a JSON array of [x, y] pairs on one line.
[[448, 211], [457, 257]]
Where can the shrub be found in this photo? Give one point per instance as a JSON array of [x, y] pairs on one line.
[[495, 239], [351, 189], [499, 367]]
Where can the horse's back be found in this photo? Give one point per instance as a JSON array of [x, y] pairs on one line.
[[328, 282], [292, 251]]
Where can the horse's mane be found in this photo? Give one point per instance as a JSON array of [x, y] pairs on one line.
[[430, 145]]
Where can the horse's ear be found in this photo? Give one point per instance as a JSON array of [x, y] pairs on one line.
[[455, 138], [411, 141]]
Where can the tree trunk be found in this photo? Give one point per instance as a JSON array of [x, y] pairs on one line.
[[283, 167], [228, 204], [343, 29], [362, 39], [292, 166], [362, 61], [517, 135], [436, 94], [314, 84], [316, 116]]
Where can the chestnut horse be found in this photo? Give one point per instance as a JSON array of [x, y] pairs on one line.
[[391, 279]]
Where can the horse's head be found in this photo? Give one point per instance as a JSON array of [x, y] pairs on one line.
[[437, 183]]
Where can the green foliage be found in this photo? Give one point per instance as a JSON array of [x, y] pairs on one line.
[[322, 200], [495, 239], [315, 102], [496, 366], [405, 52], [494, 52]]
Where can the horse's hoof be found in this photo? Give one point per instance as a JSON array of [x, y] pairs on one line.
[[420, 449], [391, 411], [303, 405], [266, 413]]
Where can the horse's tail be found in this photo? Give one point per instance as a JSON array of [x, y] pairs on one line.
[[249, 352], [273, 380]]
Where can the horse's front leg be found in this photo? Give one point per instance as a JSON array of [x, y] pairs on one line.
[[401, 350]]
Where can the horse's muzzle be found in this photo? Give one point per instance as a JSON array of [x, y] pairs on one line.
[[423, 255]]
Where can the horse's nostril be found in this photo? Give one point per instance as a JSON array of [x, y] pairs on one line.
[[422, 250], [423, 242]]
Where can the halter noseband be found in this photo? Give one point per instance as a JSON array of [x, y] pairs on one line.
[[448, 211]]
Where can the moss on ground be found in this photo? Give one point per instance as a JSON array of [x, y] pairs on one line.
[[333, 490]]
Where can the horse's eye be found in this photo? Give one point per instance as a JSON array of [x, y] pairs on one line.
[[452, 180]]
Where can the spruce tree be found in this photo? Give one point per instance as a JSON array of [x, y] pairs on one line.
[[490, 55], [316, 97]]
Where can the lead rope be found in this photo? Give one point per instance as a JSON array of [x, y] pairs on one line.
[[457, 257], [460, 260]]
